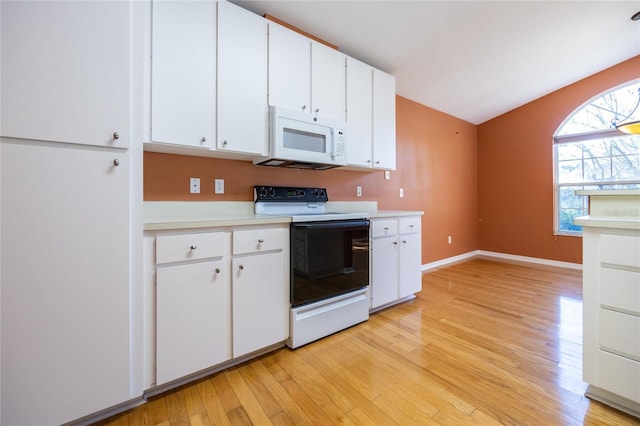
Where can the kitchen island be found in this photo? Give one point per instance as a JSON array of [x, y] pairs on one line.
[[611, 297]]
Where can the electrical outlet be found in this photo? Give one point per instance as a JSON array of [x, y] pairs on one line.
[[358, 191], [194, 185], [449, 239], [401, 192], [219, 186], [387, 175]]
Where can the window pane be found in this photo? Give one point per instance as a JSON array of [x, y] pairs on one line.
[[626, 167], [569, 151], [597, 169], [570, 171]]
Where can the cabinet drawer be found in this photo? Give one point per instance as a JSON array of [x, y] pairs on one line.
[[620, 333], [620, 289], [620, 250], [177, 248], [381, 228], [619, 375], [409, 225], [256, 240]]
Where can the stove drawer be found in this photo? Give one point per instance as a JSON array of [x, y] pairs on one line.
[[258, 240]]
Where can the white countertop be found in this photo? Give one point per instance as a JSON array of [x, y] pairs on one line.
[[618, 209], [163, 215]]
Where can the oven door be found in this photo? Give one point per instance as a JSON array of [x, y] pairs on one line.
[[328, 258]]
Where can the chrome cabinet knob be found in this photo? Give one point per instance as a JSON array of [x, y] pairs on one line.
[[368, 161], [260, 241], [404, 241], [378, 162], [317, 110], [116, 162], [116, 135], [395, 243], [241, 267], [304, 107], [193, 247], [217, 270], [225, 143], [203, 140]]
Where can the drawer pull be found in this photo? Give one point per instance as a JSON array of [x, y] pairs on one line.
[[241, 267], [116, 135], [193, 247], [411, 226], [386, 228], [217, 270], [260, 241], [404, 241], [395, 243]]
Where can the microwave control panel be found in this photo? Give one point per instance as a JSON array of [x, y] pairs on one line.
[[289, 194]]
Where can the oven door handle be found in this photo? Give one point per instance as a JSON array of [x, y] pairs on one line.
[[332, 224]]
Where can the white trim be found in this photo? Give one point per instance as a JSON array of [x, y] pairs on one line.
[[450, 260], [502, 256]]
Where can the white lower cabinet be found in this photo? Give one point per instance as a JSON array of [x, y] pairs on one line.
[[611, 297], [193, 327], [220, 294], [395, 259], [259, 302]]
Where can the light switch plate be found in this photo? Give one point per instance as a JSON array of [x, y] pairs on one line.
[[219, 186]]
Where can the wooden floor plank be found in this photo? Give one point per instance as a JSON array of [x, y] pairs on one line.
[[484, 343]]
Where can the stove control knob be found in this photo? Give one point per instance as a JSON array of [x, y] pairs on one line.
[[262, 192], [272, 192], [322, 193], [316, 193]]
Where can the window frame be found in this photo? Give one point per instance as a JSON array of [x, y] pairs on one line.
[[559, 139]]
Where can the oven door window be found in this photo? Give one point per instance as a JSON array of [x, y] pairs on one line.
[[328, 259]]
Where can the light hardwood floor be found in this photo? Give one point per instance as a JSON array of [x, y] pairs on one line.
[[484, 343]]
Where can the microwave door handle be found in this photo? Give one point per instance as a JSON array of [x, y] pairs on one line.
[[333, 144]]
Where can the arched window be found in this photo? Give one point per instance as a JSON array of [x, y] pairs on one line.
[[589, 153]]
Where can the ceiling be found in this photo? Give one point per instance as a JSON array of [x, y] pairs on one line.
[[474, 60]]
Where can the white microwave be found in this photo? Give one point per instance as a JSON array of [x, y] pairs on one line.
[[301, 140]]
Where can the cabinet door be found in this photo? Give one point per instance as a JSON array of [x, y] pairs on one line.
[[65, 282], [409, 264], [384, 270], [260, 302], [193, 318], [328, 85], [289, 69], [65, 71], [242, 81], [183, 72], [359, 113], [384, 120]]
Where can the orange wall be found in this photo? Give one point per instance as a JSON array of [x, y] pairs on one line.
[[436, 166], [515, 170]]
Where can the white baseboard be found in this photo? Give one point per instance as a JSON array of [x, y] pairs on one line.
[[449, 260], [502, 256]]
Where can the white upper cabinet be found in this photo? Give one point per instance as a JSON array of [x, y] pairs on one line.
[[305, 75], [328, 82], [371, 117], [359, 113], [384, 120], [242, 81], [65, 71], [183, 72], [289, 69]]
